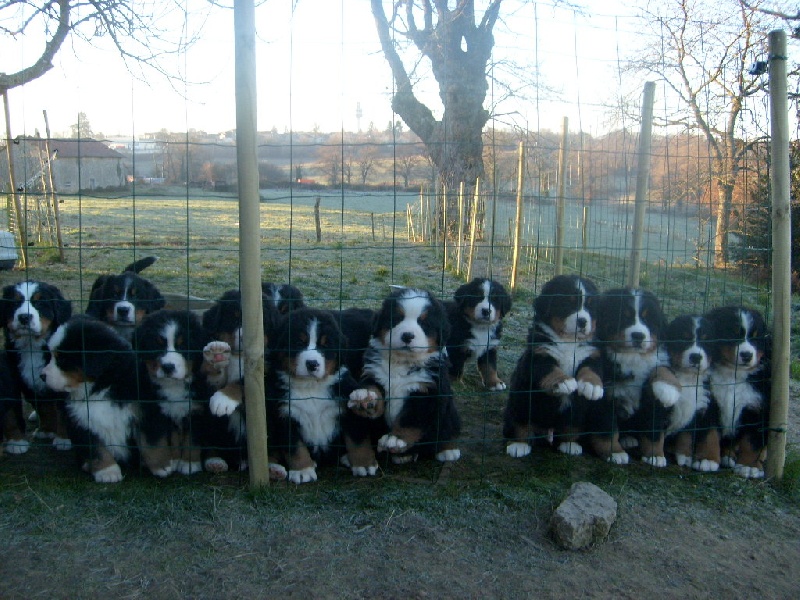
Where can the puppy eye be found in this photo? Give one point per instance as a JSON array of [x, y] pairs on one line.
[[304, 338], [644, 313]]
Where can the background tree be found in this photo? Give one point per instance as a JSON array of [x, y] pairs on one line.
[[142, 33], [83, 128], [703, 53], [457, 49]]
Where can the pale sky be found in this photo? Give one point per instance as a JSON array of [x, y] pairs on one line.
[[314, 68]]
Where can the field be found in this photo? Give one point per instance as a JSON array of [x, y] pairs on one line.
[[477, 528]]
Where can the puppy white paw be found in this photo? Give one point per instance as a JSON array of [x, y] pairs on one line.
[[369, 471], [391, 443], [683, 460], [217, 354], [727, 462], [570, 448], [498, 387], [215, 464], [112, 474], [277, 472], [41, 434], [403, 459], [655, 461], [62, 444], [628, 442], [306, 475], [748, 472], [188, 467], [590, 391], [566, 387], [666, 393], [619, 458], [518, 449], [450, 455], [705, 466], [362, 398], [222, 406], [17, 446]]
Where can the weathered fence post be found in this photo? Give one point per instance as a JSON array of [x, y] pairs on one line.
[[518, 227], [562, 183], [781, 255], [642, 182], [250, 241]]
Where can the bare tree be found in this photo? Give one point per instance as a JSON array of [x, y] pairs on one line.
[[139, 31], [458, 49], [704, 52]]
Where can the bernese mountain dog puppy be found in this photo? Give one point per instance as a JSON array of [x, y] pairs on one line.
[[284, 296], [560, 372], [356, 325], [12, 422], [405, 401], [630, 324], [176, 424], [740, 384], [30, 312], [224, 369], [96, 368], [307, 388], [690, 425], [123, 300], [476, 325]]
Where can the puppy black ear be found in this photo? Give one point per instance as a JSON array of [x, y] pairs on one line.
[[6, 305], [155, 300]]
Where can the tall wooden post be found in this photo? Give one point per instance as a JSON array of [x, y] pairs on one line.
[[250, 240], [562, 182], [642, 182], [781, 255]]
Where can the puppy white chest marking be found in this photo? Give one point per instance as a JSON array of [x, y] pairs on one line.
[[399, 379], [733, 394], [313, 407], [109, 421]]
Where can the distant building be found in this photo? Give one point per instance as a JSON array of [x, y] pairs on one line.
[[78, 165]]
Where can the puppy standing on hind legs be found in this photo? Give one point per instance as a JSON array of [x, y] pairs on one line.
[[405, 401], [560, 371], [476, 325]]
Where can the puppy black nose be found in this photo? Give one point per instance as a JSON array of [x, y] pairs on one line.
[[486, 312], [123, 311], [168, 368], [312, 365], [637, 337], [24, 319], [407, 337], [746, 357], [581, 322], [695, 358]]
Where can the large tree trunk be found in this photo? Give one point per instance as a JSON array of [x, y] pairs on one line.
[[724, 205], [458, 50]]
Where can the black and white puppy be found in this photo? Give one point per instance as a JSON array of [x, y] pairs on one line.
[[307, 388], [123, 300], [692, 423], [476, 325], [560, 372], [175, 419], [630, 324], [356, 325], [284, 296], [30, 312], [96, 368], [224, 368], [405, 401], [741, 384]]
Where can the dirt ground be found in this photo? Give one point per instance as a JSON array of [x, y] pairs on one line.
[[367, 540]]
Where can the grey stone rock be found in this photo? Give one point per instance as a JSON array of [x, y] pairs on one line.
[[584, 518]]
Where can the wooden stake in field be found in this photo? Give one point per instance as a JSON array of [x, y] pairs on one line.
[[473, 228], [250, 240], [19, 216], [518, 228], [781, 256], [562, 183], [642, 182]]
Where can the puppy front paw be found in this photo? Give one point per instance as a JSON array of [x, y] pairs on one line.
[[589, 390], [222, 406], [216, 358], [391, 443], [366, 403], [110, 474], [565, 387], [306, 475], [518, 449], [666, 393]]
